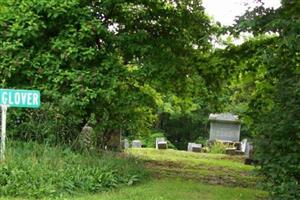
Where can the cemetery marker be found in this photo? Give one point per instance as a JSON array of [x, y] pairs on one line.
[[19, 99]]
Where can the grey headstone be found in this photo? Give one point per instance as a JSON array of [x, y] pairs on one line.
[[136, 144]]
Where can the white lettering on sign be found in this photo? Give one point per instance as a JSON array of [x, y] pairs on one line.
[[24, 98], [17, 98], [4, 99], [29, 99], [10, 102], [35, 99]]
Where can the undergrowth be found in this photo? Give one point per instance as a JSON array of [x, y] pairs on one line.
[[33, 170]]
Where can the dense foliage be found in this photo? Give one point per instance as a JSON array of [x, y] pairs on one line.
[[115, 63], [266, 90], [128, 66], [184, 128], [33, 170]]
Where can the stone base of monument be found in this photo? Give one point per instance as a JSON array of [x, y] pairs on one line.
[[230, 151], [234, 151], [239, 152]]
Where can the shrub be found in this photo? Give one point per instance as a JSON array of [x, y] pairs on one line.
[[150, 139], [201, 140], [55, 123], [33, 170], [218, 147]]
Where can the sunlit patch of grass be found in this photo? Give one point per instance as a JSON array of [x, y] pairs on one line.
[[209, 168], [217, 160]]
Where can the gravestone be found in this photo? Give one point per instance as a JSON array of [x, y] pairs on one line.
[[161, 143], [85, 137], [136, 144], [197, 148], [224, 127], [125, 144], [249, 160], [190, 146], [113, 140], [193, 147], [244, 145], [249, 150]]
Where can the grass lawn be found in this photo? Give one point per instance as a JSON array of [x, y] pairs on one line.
[[171, 189], [182, 175], [203, 167], [191, 158]]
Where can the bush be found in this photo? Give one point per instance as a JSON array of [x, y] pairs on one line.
[[218, 147], [149, 140], [201, 140], [33, 170], [280, 161], [53, 123]]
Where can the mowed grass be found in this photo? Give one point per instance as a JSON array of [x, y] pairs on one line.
[[217, 169], [170, 189], [191, 158], [184, 176]]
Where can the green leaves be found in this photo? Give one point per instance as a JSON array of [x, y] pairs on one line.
[[268, 82], [124, 61], [34, 171]]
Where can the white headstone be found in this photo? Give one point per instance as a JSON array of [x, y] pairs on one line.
[[136, 144], [161, 143], [249, 149], [193, 147], [244, 145], [125, 144], [190, 145]]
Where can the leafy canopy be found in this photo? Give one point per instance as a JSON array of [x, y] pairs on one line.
[[267, 89], [119, 62]]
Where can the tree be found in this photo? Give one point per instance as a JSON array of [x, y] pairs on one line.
[[114, 63], [268, 83]]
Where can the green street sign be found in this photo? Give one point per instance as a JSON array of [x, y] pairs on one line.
[[20, 98]]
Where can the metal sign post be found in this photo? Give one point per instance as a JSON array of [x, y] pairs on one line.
[[3, 131]]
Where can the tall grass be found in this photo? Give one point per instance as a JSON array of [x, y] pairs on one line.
[[33, 170]]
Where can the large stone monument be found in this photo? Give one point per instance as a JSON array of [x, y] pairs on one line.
[[224, 127]]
